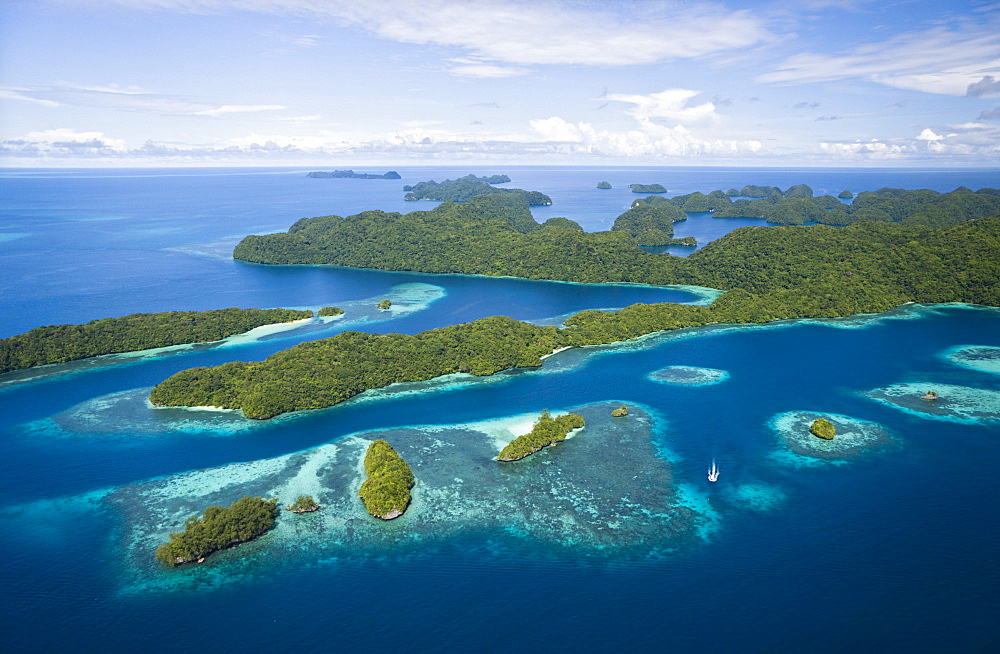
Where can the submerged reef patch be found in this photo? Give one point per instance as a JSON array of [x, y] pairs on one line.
[[688, 376], [607, 492], [755, 496], [953, 403], [985, 358], [854, 437]]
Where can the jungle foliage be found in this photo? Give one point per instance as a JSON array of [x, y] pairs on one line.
[[647, 188], [218, 528], [138, 331], [650, 221], [465, 188], [321, 373], [823, 428], [546, 431], [329, 311], [386, 491]]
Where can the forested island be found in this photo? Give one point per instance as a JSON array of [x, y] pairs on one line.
[[647, 188], [138, 331], [770, 273], [218, 528], [350, 174], [386, 491], [547, 431], [465, 188]]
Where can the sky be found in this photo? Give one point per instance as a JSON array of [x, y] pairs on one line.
[[890, 83]]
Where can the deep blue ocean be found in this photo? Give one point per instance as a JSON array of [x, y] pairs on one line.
[[614, 541]]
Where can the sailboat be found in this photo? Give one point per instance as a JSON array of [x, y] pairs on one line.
[[713, 472]]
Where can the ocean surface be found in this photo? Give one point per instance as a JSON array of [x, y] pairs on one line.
[[884, 539]]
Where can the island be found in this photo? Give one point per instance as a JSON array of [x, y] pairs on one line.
[[386, 490], [768, 273], [647, 188], [384, 304], [620, 412], [219, 528], [328, 312], [822, 428], [929, 395], [845, 195], [650, 221], [547, 431], [132, 333], [303, 504], [350, 174], [465, 188], [603, 185]]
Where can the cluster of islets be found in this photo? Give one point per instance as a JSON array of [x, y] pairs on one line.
[[583, 498]]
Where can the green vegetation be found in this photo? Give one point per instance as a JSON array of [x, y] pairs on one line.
[[218, 528], [769, 273], [603, 185], [138, 331], [650, 221], [547, 431], [330, 311], [384, 304], [321, 373], [392, 174], [465, 188], [647, 188], [845, 195], [304, 504], [822, 428], [386, 491], [921, 207], [620, 412]]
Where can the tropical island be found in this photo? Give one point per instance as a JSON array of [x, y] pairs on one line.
[[647, 188], [823, 428], [547, 431], [134, 332], [219, 528], [465, 188], [304, 504], [603, 185], [386, 491], [768, 273], [350, 174]]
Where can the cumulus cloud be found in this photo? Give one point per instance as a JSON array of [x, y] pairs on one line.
[[952, 143], [64, 142], [527, 32], [671, 105], [990, 114], [946, 59], [650, 140]]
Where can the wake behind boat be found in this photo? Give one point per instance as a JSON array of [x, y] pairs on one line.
[[713, 472]]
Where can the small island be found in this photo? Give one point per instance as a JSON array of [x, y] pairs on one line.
[[350, 174], [929, 395], [603, 185], [384, 304], [547, 431], [304, 504], [386, 491], [845, 195], [620, 412], [822, 428], [219, 528], [465, 188], [647, 188], [327, 312], [132, 333]]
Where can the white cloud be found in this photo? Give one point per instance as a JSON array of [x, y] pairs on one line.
[[16, 94], [468, 68], [650, 140], [671, 105], [929, 135], [942, 60], [526, 32]]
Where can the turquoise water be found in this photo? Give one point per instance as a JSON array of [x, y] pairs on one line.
[[614, 539]]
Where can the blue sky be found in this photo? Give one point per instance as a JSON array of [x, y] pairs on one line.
[[376, 82]]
